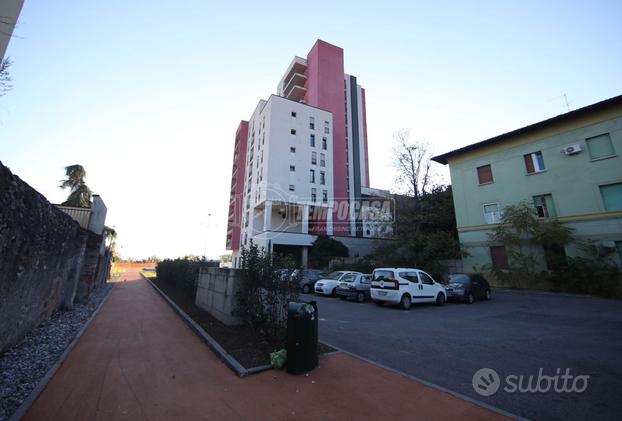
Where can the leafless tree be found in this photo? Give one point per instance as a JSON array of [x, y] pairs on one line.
[[411, 160]]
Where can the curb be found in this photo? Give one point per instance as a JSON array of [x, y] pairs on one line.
[[224, 356], [34, 394], [434, 386]]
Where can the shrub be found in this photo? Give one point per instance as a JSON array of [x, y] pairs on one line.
[[323, 249], [182, 273], [268, 283]]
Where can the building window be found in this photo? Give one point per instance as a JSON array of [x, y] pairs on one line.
[[499, 257], [484, 174], [492, 215], [312, 123], [324, 143], [313, 195], [312, 176], [292, 187], [293, 114], [612, 196], [534, 162], [600, 146], [326, 127], [314, 158], [292, 168], [312, 140], [325, 196], [293, 131], [292, 149], [322, 160], [322, 177], [544, 206]]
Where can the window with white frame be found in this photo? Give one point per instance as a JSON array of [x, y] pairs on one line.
[[322, 160], [492, 214], [314, 158], [322, 177], [292, 168], [292, 187], [312, 176], [324, 143], [312, 140], [313, 195], [544, 206], [326, 127], [325, 196], [312, 123], [292, 150]]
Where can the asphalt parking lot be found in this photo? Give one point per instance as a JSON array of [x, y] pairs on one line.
[[516, 334]]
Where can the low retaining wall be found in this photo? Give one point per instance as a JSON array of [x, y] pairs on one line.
[[216, 293]]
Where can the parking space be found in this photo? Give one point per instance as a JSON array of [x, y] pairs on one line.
[[518, 333]]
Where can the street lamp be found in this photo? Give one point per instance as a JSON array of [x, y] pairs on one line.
[[207, 236]]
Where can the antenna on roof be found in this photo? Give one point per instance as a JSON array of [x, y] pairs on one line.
[[566, 100]]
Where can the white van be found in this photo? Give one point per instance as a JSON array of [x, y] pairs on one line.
[[405, 286]]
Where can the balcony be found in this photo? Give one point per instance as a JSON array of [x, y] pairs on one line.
[[292, 86]]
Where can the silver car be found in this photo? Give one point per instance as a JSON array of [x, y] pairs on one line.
[[355, 286]]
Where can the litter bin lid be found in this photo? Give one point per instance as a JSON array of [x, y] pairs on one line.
[[301, 308]]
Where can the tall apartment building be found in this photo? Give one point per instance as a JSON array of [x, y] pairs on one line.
[[304, 171]]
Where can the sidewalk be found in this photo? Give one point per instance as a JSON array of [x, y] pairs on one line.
[[139, 361]]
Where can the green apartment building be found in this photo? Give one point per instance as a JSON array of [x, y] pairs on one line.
[[568, 166]]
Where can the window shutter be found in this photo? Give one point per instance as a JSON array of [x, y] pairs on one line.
[[529, 164]]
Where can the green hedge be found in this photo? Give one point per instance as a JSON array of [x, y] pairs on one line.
[[182, 273]]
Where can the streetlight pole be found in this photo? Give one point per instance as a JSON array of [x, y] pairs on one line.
[[207, 236]]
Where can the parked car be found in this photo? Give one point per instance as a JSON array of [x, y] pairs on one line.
[[354, 286], [328, 284], [467, 287], [309, 278], [405, 286]]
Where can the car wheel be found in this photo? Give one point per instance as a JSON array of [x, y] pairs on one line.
[[470, 299], [405, 302], [488, 295], [440, 299], [379, 303], [306, 289], [334, 292], [360, 297]]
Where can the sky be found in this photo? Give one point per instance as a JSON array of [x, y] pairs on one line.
[[147, 95]]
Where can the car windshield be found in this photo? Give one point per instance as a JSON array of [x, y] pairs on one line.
[[380, 275], [348, 278], [459, 279], [333, 275]]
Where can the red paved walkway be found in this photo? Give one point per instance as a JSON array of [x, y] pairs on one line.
[[139, 361]]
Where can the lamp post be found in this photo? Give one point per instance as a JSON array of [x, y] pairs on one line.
[[207, 236]]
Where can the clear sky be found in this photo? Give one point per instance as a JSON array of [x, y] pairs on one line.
[[147, 95]]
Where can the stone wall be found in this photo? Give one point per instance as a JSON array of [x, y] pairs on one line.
[[42, 253], [216, 293]]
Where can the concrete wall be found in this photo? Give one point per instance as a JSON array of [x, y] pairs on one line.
[[216, 293], [42, 255]]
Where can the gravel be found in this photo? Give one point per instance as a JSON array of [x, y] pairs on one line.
[[24, 364]]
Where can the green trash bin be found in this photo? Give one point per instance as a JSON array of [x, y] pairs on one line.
[[302, 337]]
